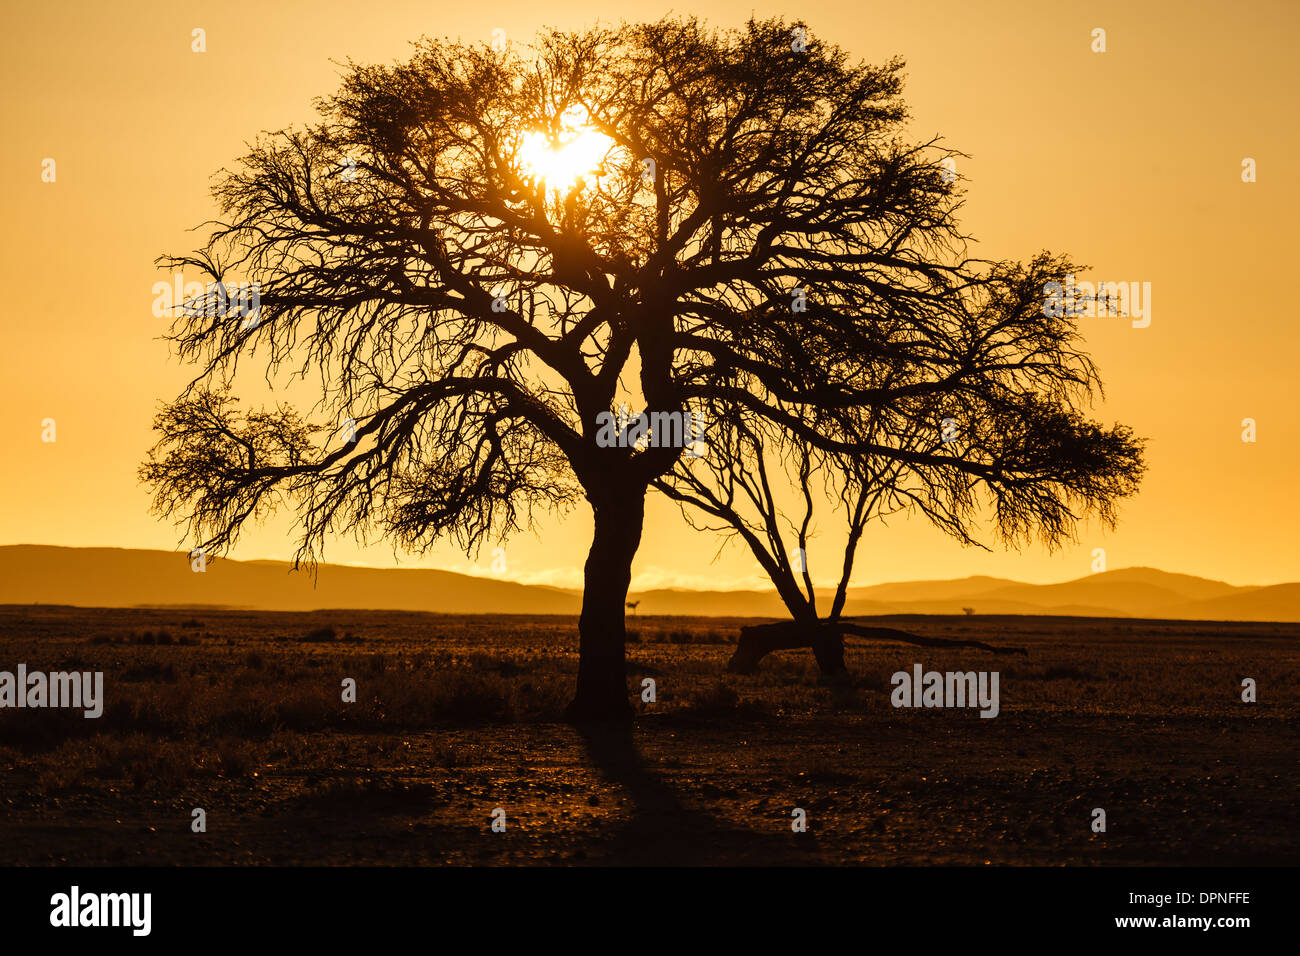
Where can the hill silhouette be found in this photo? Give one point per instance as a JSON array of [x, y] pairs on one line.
[[119, 577]]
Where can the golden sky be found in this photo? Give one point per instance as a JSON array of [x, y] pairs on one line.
[[1128, 160]]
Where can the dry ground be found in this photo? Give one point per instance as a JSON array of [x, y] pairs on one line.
[[240, 713]]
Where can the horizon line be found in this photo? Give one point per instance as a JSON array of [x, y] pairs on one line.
[[578, 588]]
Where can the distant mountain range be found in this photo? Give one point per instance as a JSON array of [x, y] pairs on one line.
[[116, 577]]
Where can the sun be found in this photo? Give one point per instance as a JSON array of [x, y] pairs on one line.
[[564, 160]]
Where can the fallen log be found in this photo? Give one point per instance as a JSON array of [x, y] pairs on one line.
[[759, 640], [907, 637], [826, 639]]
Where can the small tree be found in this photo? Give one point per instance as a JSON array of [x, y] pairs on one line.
[[989, 414]]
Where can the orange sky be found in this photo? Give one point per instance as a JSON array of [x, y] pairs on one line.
[[1129, 161]]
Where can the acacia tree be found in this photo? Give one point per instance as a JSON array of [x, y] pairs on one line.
[[1004, 426], [478, 253]]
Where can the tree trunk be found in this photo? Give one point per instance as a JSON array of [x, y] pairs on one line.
[[828, 648], [757, 641], [602, 667]]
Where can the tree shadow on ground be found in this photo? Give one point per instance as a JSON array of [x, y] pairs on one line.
[[665, 831]]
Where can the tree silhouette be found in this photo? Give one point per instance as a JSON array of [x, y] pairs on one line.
[[1001, 426], [748, 235]]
